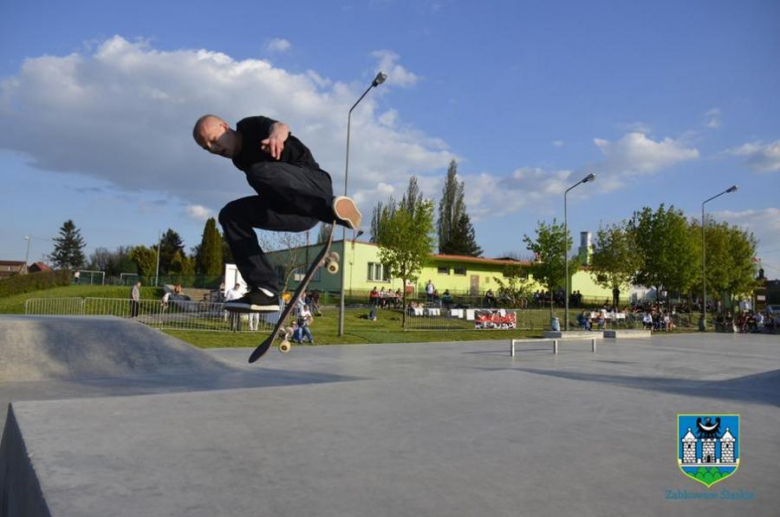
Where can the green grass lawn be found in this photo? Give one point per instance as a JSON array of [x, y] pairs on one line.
[[357, 330], [15, 304]]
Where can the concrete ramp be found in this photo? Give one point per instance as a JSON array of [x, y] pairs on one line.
[[20, 491], [37, 348]]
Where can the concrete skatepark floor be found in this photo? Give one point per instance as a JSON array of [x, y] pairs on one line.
[[455, 429]]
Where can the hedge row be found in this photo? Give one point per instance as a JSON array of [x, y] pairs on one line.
[[19, 284]]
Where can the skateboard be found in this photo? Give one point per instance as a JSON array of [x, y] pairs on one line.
[[324, 258]]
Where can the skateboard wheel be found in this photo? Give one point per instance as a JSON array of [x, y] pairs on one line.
[[284, 346], [334, 256], [288, 331], [333, 268]]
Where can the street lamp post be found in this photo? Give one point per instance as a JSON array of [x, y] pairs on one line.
[[703, 325], [379, 79], [28, 238], [589, 177]]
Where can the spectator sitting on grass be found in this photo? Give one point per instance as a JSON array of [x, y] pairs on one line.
[[584, 321], [647, 321], [302, 331]]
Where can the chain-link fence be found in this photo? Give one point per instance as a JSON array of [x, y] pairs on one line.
[[176, 314]]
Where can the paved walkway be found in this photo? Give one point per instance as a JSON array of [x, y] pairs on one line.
[[452, 429]]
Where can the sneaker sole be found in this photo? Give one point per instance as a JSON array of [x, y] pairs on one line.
[[244, 307], [346, 210]]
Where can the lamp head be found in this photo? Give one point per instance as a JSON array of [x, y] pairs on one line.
[[379, 79], [589, 177], [732, 188]]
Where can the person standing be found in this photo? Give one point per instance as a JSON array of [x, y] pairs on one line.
[[135, 298], [429, 289]]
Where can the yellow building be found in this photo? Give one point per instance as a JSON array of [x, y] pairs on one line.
[[362, 270]]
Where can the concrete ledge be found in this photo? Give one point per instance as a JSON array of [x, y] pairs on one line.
[[573, 334], [626, 333], [554, 341]]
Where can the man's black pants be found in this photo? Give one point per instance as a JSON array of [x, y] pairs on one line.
[[290, 199]]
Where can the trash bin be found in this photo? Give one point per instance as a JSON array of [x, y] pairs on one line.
[[555, 324]]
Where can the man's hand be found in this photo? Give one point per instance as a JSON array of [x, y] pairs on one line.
[[274, 144]]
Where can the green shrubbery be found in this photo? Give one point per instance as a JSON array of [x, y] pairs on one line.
[[20, 284], [709, 476]]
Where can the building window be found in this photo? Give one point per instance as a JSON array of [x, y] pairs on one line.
[[459, 270], [444, 270], [377, 273]]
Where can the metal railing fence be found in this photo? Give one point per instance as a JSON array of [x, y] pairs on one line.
[[175, 315], [211, 316]]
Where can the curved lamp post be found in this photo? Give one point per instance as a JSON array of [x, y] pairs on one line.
[[703, 325], [379, 79], [586, 179]]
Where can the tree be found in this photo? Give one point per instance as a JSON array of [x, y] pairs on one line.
[[406, 241], [453, 226], [227, 253], [412, 197], [324, 233], [382, 212], [145, 260], [671, 254], [114, 263], [730, 267], [549, 248], [170, 244], [68, 248], [294, 260], [463, 239], [208, 261], [513, 285], [615, 259]]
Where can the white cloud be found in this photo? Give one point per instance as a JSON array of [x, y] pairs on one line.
[[278, 45], [198, 212], [397, 75], [764, 223], [558, 143], [489, 195], [759, 156], [635, 153], [712, 118], [124, 114], [540, 190]]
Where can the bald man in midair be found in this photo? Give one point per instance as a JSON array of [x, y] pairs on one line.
[[293, 195]]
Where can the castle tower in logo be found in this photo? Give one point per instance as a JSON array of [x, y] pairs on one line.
[[708, 446]]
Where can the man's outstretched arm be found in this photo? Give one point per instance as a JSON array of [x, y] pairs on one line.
[[274, 144]]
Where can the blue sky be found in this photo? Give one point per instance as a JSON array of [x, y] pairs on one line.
[[667, 102]]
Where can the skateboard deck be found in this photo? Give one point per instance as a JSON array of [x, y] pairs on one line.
[[324, 257]]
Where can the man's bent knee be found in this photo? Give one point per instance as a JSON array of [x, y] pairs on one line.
[[228, 213]]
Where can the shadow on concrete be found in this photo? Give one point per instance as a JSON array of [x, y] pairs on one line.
[[761, 388]]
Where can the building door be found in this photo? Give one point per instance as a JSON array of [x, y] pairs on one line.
[[474, 285]]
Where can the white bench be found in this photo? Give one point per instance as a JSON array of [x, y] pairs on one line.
[[547, 340]]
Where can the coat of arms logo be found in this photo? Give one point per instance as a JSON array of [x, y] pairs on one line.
[[708, 448]]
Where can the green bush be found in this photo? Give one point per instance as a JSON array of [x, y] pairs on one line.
[[20, 284]]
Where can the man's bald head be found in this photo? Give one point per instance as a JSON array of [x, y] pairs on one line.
[[203, 124], [214, 135]]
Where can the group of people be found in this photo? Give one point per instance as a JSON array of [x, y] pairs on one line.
[[385, 298], [753, 321]]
